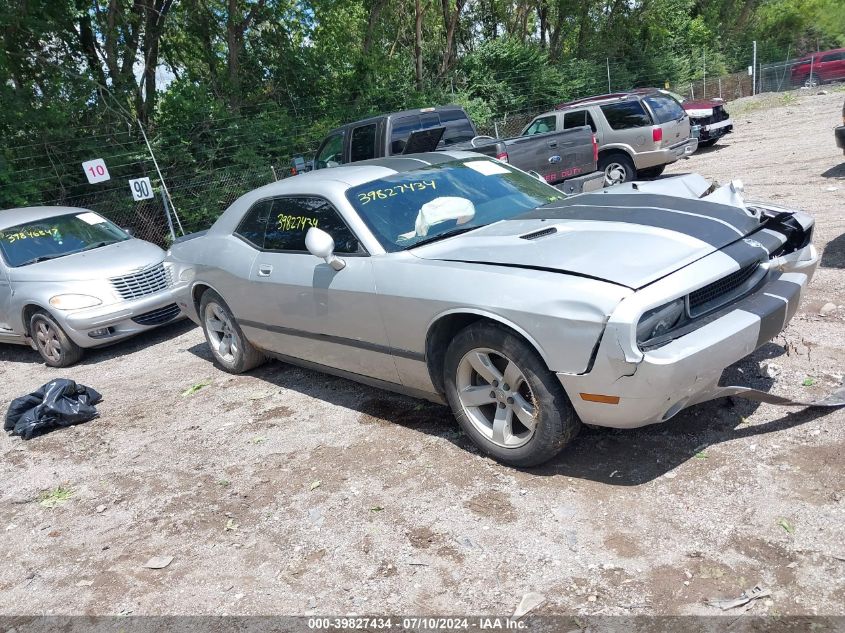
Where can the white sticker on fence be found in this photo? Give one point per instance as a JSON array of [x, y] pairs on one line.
[[487, 167], [96, 170], [90, 218], [141, 188]]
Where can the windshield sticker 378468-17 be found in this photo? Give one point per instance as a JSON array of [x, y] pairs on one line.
[[24, 234]]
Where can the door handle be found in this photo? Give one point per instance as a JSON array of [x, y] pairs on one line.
[[264, 270], [552, 143]]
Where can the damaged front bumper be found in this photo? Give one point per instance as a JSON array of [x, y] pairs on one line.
[[644, 387]]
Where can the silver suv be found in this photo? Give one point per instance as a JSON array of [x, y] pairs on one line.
[[638, 133]]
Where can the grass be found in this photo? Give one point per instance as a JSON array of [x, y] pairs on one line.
[[56, 497]]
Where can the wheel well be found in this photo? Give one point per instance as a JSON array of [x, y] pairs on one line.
[[28, 311], [441, 333], [196, 295], [615, 150]]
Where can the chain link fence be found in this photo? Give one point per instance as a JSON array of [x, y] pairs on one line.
[[199, 199]]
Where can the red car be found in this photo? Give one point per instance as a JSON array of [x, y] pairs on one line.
[[816, 68]]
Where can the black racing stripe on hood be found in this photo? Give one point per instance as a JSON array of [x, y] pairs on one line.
[[746, 252], [737, 218], [705, 229]]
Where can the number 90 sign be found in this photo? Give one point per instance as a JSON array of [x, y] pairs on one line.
[[141, 188]]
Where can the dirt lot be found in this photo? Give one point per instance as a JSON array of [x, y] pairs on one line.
[[286, 491]]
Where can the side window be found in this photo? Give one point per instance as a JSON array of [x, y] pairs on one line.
[[363, 142], [254, 223], [332, 153], [291, 218], [625, 115], [578, 119], [833, 57], [542, 125]]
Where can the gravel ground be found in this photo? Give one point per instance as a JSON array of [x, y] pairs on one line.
[[289, 492]]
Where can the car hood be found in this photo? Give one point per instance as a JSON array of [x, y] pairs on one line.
[[702, 104], [629, 239], [99, 263]]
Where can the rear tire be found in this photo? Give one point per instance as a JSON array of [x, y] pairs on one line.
[[708, 143], [505, 398], [229, 347], [651, 172], [812, 81], [617, 168], [52, 343]]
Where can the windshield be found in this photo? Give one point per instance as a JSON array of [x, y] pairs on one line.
[[410, 207], [56, 237]]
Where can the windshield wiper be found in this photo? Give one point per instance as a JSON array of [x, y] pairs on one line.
[[91, 247], [441, 236], [42, 258]]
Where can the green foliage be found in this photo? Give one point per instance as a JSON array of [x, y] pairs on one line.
[[243, 85]]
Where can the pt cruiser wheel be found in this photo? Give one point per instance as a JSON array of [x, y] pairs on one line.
[[52, 343], [505, 398], [230, 348]]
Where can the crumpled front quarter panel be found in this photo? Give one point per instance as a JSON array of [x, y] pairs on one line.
[[563, 316]]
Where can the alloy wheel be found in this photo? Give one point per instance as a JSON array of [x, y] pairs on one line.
[[221, 334], [615, 173], [47, 339], [496, 397]]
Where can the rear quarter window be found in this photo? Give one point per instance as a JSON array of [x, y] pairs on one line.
[[625, 115]]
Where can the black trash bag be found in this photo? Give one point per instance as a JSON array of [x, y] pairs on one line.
[[61, 402]]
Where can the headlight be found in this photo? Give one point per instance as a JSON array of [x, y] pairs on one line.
[[187, 274], [74, 302], [659, 321]]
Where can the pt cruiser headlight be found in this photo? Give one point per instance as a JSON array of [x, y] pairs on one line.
[[658, 321], [74, 302]]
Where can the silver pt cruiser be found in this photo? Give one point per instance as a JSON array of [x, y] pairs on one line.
[[70, 279], [453, 277]]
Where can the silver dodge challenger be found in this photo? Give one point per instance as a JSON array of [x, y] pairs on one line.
[[70, 279], [453, 277]]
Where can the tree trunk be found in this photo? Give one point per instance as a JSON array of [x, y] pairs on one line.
[[418, 61], [451, 23]]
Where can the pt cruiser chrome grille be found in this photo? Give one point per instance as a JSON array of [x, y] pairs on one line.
[[707, 298], [144, 282]]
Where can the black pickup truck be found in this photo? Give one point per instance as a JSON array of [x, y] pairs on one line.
[[566, 158]]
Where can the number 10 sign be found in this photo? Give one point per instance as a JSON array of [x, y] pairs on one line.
[[141, 188], [96, 170]]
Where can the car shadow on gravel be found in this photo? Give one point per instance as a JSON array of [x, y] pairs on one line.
[[835, 172], [619, 457], [833, 255], [25, 354], [631, 457]]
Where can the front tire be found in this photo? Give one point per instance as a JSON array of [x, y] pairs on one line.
[[617, 168], [708, 143], [229, 347], [505, 398], [52, 343]]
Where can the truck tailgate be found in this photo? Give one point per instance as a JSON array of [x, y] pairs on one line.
[[556, 156]]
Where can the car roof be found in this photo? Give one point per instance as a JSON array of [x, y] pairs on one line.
[[392, 115], [21, 215], [819, 54], [613, 96], [354, 174]]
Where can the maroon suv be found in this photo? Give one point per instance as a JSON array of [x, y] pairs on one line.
[[816, 68]]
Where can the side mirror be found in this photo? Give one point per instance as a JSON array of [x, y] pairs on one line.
[[320, 244]]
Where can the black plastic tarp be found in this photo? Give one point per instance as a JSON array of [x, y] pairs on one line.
[[61, 402]]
